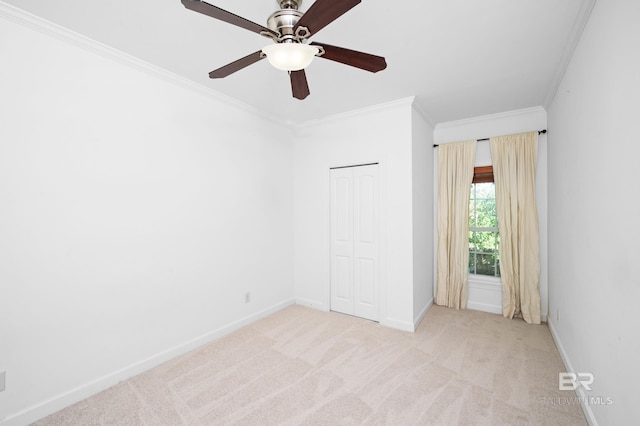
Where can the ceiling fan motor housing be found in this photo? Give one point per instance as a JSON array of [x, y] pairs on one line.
[[282, 22]]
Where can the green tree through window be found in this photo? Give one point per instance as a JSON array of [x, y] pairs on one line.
[[483, 230]]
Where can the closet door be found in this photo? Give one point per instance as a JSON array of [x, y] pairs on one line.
[[355, 241]]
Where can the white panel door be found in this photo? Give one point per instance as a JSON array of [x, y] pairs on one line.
[[355, 241]]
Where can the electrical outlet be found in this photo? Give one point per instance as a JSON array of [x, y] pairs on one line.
[[247, 297], [3, 375]]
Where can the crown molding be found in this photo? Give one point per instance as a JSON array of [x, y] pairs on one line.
[[33, 22], [483, 118], [422, 113], [485, 126], [579, 24]]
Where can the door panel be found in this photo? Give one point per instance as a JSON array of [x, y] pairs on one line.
[[366, 282], [365, 186], [343, 204], [343, 278]]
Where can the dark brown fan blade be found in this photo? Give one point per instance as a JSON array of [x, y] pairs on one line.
[[323, 12], [236, 65], [353, 58], [299, 84], [215, 12]]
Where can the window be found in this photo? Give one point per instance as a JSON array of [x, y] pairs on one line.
[[483, 225]]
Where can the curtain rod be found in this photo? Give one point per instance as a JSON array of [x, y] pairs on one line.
[[540, 132]]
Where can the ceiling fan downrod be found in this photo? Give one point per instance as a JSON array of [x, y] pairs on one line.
[[289, 4]]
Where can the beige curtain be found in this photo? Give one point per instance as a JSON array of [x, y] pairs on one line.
[[455, 174], [514, 167]]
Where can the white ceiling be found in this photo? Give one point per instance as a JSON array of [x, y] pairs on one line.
[[459, 58]]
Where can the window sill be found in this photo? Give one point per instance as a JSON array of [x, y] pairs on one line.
[[485, 279]]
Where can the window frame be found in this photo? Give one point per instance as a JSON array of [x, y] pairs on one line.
[[483, 174]]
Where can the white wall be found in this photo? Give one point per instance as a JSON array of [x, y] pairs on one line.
[[485, 294], [135, 213], [593, 211], [376, 135], [422, 167]]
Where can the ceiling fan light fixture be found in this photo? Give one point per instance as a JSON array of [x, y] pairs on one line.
[[290, 56]]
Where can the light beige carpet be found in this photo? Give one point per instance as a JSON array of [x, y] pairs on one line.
[[302, 366]]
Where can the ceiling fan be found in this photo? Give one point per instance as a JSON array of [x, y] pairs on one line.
[[290, 29]]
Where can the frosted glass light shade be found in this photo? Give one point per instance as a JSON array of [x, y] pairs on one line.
[[290, 56]]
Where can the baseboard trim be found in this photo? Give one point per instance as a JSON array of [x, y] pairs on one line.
[[50, 406], [588, 413], [387, 322], [484, 307], [314, 304], [398, 324], [417, 320]]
